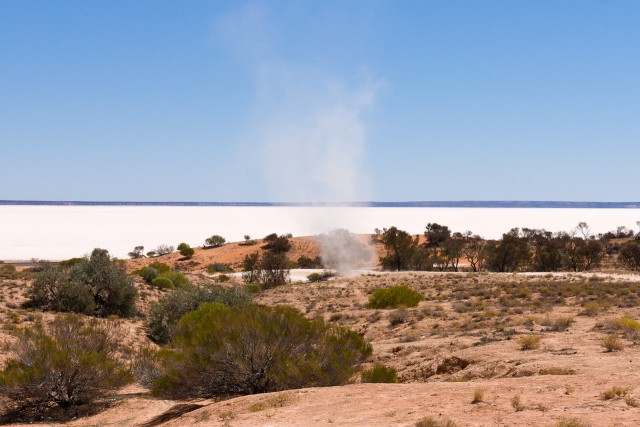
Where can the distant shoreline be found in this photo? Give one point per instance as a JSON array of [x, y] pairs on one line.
[[417, 204]]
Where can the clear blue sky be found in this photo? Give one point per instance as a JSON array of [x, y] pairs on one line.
[[301, 100]]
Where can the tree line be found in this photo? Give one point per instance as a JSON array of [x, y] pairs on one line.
[[526, 249]]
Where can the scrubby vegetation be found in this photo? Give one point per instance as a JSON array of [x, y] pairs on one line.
[[220, 351], [98, 285], [380, 374], [394, 297], [164, 315], [60, 368], [214, 241]]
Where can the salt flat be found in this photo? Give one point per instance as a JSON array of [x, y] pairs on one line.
[[59, 232]]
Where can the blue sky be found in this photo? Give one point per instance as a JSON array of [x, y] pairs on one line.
[[320, 101]]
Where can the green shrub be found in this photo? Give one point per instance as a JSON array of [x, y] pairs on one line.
[[149, 273], [8, 267], [69, 262], [60, 368], [306, 262], [218, 352], [219, 267], [223, 278], [394, 297], [185, 250], [162, 282], [315, 277], [177, 278], [380, 374], [215, 241], [164, 315], [97, 286], [254, 288], [160, 266]]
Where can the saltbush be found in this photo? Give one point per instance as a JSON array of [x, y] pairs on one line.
[[380, 374], [59, 368], [219, 267], [149, 273], [218, 351], [177, 278], [164, 315], [162, 282], [394, 297], [97, 286]]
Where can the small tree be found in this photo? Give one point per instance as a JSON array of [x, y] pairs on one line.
[[163, 249], [401, 249], [59, 368], [630, 255], [185, 250], [276, 243], [214, 241], [137, 252], [274, 268], [251, 268]]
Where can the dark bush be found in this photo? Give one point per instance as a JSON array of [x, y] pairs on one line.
[[214, 241], [164, 315], [162, 282], [69, 262], [274, 270], [218, 267], [253, 288], [278, 244], [306, 262], [219, 352], [58, 369], [380, 374], [96, 286], [630, 255], [185, 250], [149, 273], [164, 249], [394, 297]]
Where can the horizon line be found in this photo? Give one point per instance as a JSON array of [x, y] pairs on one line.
[[424, 203]]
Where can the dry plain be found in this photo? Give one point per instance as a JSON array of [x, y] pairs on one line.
[[463, 341]]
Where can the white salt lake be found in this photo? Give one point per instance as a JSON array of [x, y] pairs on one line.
[[60, 232]]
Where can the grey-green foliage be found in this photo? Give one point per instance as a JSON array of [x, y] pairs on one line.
[[219, 352], [164, 315], [59, 368], [97, 285]]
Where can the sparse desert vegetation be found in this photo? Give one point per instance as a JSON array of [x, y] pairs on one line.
[[431, 334]]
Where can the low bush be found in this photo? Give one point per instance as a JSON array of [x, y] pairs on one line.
[[160, 266], [218, 351], [164, 315], [97, 285], [253, 288], [432, 422], [380, 374], [612, 343], [8, 267], [218, 267], [529, 342], [162, 282], [60, 368], [394, 297], [306, 262], [613, 393], [177, 278], [149, 273]]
